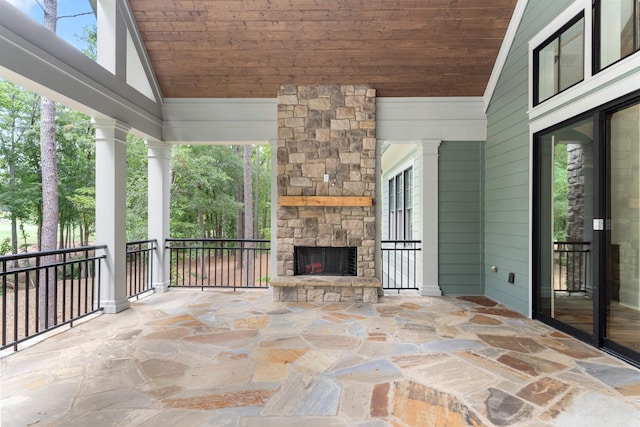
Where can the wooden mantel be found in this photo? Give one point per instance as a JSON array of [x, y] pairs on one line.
[[325, 201]]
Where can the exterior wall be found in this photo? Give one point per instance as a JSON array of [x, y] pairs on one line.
[[507, 167], [460, 217]]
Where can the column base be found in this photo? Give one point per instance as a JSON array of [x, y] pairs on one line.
[[161, 288], [113, 306], [431, 291]]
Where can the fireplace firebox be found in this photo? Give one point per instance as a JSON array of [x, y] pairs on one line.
[[325, 261]]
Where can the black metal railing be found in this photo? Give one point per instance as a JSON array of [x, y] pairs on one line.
[[222, 263], [140, 267], [570, 266], [399, 258], [42, 291]]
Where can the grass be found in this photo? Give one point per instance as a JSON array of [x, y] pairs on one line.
[[30, 229]]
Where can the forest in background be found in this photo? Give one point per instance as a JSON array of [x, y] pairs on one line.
[[212, 186], [208, 184]]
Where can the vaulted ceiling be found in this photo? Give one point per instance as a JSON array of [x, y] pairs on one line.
[[247, 48]]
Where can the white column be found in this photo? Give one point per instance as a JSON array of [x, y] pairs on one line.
[[428, 267], [159, 186], [273, 265], [111, 179], [378, 211]]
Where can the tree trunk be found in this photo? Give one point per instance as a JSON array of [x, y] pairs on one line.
[[248, 217], [47, 284], [203, 270], [239, 221]]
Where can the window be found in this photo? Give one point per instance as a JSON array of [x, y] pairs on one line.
[[559, 61], [401, 206], [617, 31]]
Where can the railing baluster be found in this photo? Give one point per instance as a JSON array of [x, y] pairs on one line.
[[140, 266], [50, 271], [570, 269], [399, 263], [220, 262]]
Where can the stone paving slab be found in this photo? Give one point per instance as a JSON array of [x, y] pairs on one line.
[[238, 359]]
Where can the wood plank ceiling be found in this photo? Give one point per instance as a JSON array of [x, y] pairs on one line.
[[247, 48]]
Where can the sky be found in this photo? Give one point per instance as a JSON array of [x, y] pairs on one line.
[[68, 29]]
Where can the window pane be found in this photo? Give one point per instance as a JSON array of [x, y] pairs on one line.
[[392, 195], [408, 188], [399, 192], [392, 207], [616, 30], [572, 56], [547, 70]]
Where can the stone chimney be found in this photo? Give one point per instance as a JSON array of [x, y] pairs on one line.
[[326, 161]]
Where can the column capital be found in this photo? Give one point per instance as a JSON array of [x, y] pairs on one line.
[[156, 144], [111, 123], [430, 147]]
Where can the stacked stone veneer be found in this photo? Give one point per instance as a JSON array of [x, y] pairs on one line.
[[326, 130]]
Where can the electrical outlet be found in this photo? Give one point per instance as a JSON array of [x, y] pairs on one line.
[[512, 278]]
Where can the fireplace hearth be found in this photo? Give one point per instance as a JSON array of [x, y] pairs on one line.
[[327, 261]]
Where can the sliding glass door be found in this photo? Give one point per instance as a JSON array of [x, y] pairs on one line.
[[587, 227], [565, 217], [623, 241]]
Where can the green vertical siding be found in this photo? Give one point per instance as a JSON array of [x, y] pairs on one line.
[[506, 173], [460, 218]]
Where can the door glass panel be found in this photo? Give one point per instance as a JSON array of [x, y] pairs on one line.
[[623, 246], [565, 222], [616, 30]]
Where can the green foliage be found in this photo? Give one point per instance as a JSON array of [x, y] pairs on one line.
[[5, 246], [136, 189], [19, 152], [90, 37], [205, 180], [75, 136], [560, 203]]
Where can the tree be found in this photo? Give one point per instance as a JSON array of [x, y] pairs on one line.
[[49, 224], [203, 189], [136, 188], [75, 136], [19, 156], [248, 215]]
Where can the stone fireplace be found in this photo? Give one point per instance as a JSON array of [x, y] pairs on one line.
[[326, 183]]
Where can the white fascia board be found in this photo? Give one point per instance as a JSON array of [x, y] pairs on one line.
[[507, 42], [38, 60], [255, 119], [442, 118], [222, 120]]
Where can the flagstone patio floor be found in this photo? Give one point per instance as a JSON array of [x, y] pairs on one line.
[[224, 358]]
